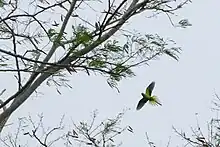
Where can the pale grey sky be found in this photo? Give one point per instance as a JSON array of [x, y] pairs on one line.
[[184, 88]]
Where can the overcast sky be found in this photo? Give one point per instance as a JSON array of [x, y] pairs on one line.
[[184, 88]]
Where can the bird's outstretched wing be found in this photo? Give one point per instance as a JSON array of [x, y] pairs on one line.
[[154, 101], [150, 88], [141, 103]]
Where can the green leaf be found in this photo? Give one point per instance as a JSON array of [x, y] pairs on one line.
[[82, 35], [3, 64], [97, 63], [169, 53], [51, 33], [185, 23], [125, 48], [85, 37], [112, 46], [1, 3]]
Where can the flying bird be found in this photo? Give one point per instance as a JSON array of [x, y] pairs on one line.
[[153, 100]]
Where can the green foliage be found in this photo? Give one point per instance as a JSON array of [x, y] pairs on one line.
[[116, 60], [44, 26], [52, 34], [81, 35], [184, 23], [112, 58], [1, 3], [112, 46], [121, 71], [97, 63]]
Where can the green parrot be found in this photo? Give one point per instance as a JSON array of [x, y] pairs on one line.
[[153, 100]]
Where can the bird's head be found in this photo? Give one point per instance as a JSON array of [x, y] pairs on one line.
[[143, 94]]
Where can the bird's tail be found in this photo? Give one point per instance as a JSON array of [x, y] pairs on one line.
[[155, 101], [158, 103]]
